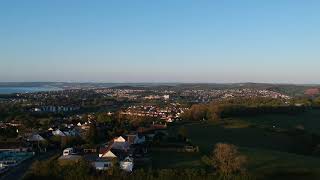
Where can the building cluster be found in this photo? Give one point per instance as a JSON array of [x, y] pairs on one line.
[[168, 113], [131, 94], [125, 151], [157, 97], [137, 94], [55, 109], [210, 95]]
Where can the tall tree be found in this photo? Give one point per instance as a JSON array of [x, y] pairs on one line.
[[92, 136], [227, 160]]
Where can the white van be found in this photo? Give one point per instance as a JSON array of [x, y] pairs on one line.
[[68, 151]]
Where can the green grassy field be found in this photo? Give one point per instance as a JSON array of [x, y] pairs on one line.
[[310, 120], [269, 153], [169, 160], [281, 165], [206, 135], [262, 163]]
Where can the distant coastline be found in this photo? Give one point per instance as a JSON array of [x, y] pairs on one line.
[[17, 89]]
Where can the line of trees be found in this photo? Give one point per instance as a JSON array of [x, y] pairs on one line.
[[240, 107]]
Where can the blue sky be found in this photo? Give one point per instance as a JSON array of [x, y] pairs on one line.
[[274, 41]]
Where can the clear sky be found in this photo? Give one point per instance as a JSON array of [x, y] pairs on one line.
[[160, 41]]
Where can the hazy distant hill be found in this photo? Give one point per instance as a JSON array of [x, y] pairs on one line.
[[289, 89]]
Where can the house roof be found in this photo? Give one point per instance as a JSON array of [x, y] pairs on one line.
[[119, 139], [58, 132], [106, 152], [35, 137], [120, 145], [109, 154]]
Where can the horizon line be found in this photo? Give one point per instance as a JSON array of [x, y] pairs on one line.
[[163, 82]]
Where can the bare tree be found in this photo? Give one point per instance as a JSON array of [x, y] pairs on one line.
[[227, 160]]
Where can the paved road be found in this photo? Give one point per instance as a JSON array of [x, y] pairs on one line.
[[18, 172]]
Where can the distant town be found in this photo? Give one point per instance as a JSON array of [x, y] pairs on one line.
[[126, 127]]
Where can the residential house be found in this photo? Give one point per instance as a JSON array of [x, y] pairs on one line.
[[101, 164], [127, 164], [107, 153], [120, 143], [35, 138], [135, 139], [68, 132], [58, 132]]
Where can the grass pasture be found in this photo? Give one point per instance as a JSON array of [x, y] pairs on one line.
[[167, 160], [206, 135], [281, 165], [310, 120], [269, 153]]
